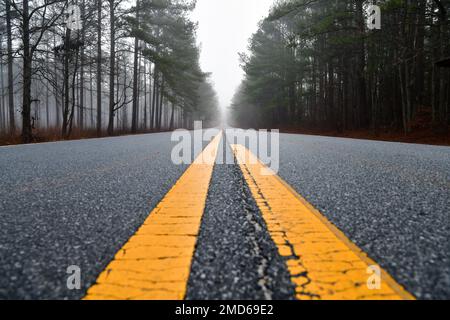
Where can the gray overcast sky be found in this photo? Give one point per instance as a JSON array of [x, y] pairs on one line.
[[224, 29]]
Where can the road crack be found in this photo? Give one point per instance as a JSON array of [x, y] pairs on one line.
[[305, 279]]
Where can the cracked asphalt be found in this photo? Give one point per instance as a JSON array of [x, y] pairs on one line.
[[235, 257], [78, 202], [391, 199], [75, 203]]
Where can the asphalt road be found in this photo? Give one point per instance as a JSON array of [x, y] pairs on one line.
[[391, 199], [235, 257], [77, 203]]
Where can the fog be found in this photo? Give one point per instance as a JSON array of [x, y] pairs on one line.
[[221, 41]]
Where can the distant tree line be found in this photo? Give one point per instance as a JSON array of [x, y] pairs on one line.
[[315, 63], [128, 67]]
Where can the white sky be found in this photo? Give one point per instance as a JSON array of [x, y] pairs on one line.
[[224, 29]]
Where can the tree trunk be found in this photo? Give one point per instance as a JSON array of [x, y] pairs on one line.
[[155, 95], [161, 101], [82, 62], [27, 70], [56, 89], [138, 96], [125, 109], [442, 112], [362, 93], [99, 67], [66, 85], [112, 65], [145, 96], [91, 97], [420, 58], [2, 98], [72, 112], [47, 93], [117, 113], [172, 117], [331, 110], [135, 78], [12, 122]]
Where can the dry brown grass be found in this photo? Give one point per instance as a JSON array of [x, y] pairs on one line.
[[54, 134], [421, 132], [422, 136]]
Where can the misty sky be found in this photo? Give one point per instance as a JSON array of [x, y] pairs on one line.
[[224, 29]]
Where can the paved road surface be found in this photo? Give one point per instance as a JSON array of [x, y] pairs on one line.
[[391, 199], [77, 203]]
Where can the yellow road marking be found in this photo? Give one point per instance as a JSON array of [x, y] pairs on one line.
[[322, 261], [155, 263]]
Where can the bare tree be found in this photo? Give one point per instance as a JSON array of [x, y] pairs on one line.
[[12, 121], [99, 67], [135, 78]]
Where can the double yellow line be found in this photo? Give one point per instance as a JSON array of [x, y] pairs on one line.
[[155, 263], [322, 261]]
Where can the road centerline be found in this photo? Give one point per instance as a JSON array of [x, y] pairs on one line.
[[155, 263], [322, 261]]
